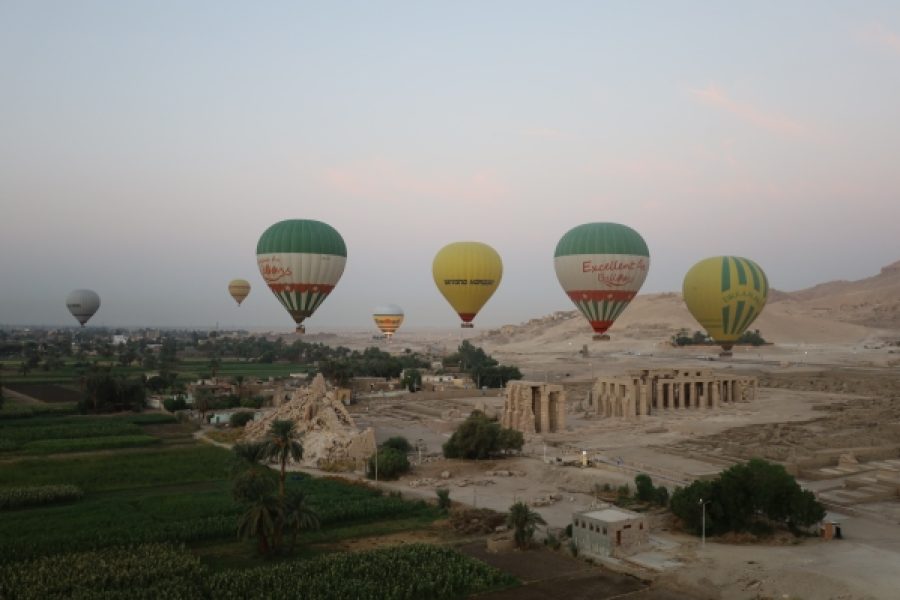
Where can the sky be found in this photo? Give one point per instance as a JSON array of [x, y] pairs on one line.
[[146, 145]]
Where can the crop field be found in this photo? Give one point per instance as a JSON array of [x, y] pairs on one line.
[[47, 392], [77, 492]]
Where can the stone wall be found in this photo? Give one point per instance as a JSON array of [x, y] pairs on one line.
[[641, 393], [534, 407]]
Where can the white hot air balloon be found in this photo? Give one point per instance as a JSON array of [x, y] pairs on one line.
[[83, 304]]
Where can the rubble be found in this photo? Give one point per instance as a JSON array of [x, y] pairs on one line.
[[328, 433]]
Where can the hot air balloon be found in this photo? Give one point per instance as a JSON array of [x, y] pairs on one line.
[[388, 318], [467, 274], [239, 289], [83, 304], [601, 266], [725, 294], [301, 261]]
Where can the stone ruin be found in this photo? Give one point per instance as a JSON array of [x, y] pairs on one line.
[[330, 438], [640, 393], [534, 407]]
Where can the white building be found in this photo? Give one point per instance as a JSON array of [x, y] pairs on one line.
[[610, 532]]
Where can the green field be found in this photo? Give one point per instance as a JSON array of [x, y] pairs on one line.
[[90, 516]]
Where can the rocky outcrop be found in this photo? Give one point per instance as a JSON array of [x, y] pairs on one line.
[[330, 438]]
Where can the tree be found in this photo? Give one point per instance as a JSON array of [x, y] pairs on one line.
[[643, 486], [399, 443], [297, 516], [443, 499], [523, 521], [479, 437], [202, 402], [661, 496], [390, 462], [240, 418], [260, 521], [412, 380], [281, 445], [744, 494]]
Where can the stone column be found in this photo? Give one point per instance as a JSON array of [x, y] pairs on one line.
[[716, 393]]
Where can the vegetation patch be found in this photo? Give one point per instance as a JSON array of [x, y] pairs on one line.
[[147, 571], [21, 497], [88, 444], [400, 573]]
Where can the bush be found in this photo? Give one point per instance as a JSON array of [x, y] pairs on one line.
[[391, 464], [20, 497], [624, 492], [252, 402], [569, 530], [398, 443], [239, 419]]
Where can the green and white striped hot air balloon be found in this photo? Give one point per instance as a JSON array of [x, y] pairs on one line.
[[601, 267], [301, 261]]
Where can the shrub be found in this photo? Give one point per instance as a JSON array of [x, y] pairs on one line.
[[239, 419], [624, 492], [398, 443], [569, 530], [391, 464]]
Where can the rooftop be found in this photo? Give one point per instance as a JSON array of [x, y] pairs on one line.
[[610, 515]]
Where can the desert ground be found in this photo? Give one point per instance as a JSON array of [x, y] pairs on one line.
[[828, 408]]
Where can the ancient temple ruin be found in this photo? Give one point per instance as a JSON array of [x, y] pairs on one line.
[[329, 436], [534, 407], [639, 393]]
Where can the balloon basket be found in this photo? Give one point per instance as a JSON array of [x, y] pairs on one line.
[[467, 325], [300, 329], [601, 337], [725, 354]]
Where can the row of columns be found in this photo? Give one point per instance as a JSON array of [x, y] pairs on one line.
[[623, 398]]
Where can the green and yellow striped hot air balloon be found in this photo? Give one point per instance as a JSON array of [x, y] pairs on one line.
[[601, 267], [725, 294], [301, 261]]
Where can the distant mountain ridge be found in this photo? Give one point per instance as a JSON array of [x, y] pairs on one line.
[[836, 311]]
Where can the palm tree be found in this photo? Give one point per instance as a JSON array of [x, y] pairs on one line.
[[281, 445], [247, 455], [523, 521], [260, 521], [297, 515]]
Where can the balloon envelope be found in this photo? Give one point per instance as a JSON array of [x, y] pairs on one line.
[[467, 274], [301, 261], [83, 304], [388, 318], [601, 267], [725, 294], [239, 289]]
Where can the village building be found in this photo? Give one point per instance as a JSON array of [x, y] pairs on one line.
[[610, 532], [534, 407], [641, 393]]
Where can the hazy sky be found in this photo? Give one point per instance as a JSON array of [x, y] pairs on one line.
[[145, 146]]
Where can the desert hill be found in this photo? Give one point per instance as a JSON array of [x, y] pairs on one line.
[[834, 312]]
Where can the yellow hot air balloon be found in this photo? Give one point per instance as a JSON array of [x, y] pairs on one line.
[[725, 294], [239, 289], [467, 274], [388, 318]]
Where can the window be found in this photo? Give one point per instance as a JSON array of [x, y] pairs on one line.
[[642, 524], [627, 526], [604, 531]]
